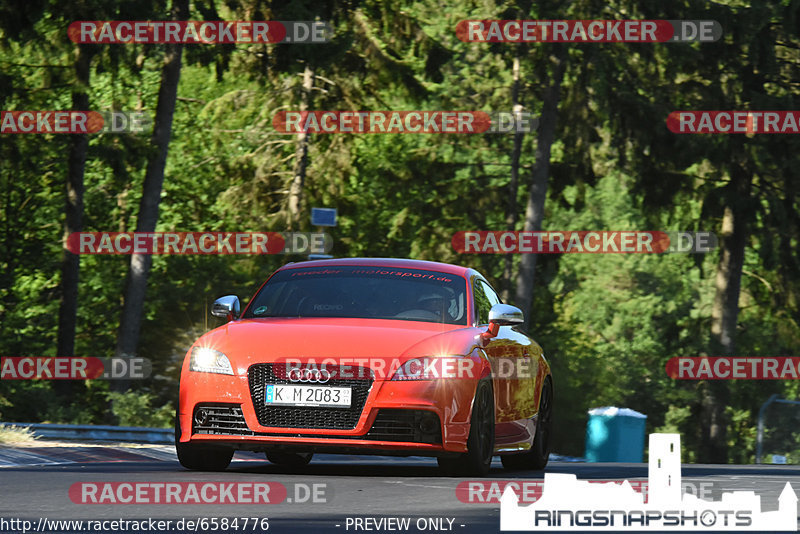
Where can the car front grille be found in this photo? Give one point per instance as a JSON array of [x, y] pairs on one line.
[[260, 375], [390, 425]]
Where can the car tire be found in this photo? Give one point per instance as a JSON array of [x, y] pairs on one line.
[[480, 443], [290, 459], [536, 458], [201, 457]]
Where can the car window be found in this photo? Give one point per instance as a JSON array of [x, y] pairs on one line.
[[485, 297], [363, 292]]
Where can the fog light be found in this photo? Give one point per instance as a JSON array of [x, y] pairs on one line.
[[201, 417], [429, 424]]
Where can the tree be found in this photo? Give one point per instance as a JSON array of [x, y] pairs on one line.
[[136, 285], [537, 187], [73, 221]]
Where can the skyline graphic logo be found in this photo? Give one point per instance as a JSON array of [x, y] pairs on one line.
[[571, 504]]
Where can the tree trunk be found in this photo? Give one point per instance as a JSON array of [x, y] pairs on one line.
[[725, 313], [301, 158], [136, 283], [534, 212], [513, 186], [73, 222]]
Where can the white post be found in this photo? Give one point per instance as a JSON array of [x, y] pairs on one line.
[[664, 470]]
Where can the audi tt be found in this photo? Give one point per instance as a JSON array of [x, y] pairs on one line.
[[367, 356]]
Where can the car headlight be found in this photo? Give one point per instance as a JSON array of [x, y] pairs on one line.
[[435, 367], [206, 360]]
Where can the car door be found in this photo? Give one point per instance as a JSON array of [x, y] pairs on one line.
[[513, 357]]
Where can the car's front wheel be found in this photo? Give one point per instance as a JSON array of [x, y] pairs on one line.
[[539, 453], [201, 457], [480, 443]]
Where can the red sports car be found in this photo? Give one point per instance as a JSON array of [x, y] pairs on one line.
[[367, 356]]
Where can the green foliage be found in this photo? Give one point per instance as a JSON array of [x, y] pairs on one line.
[[608, 323], [133, 408], [4, 402], [619, 318]]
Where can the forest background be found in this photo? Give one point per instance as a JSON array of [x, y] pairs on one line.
[[602, 158]]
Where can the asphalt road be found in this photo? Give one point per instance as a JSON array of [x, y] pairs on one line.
[[349, 488]]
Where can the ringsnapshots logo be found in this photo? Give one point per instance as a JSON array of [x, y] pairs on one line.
[[588, 31], [567, 503], [582, 242]]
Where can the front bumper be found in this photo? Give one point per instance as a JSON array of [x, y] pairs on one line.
[[395, 417]]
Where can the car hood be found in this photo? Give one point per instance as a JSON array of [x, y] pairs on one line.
[[249, 341]]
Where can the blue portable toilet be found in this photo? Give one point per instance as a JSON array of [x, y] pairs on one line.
[[615, 435]]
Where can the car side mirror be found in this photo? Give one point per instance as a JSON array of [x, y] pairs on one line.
[[502, 315], [227, 307]]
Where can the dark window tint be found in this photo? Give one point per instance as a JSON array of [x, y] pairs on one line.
[[363, 292], [485, 298]]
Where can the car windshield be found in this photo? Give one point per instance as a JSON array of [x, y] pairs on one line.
[[363, 292]]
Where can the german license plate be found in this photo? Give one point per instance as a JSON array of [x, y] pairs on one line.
[[296, 395]]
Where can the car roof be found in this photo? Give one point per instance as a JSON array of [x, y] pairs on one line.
[[399, 263]]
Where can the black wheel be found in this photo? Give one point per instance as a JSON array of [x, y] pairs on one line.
[[290, 459], [201, 457], [480, 443], [537, 456]]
